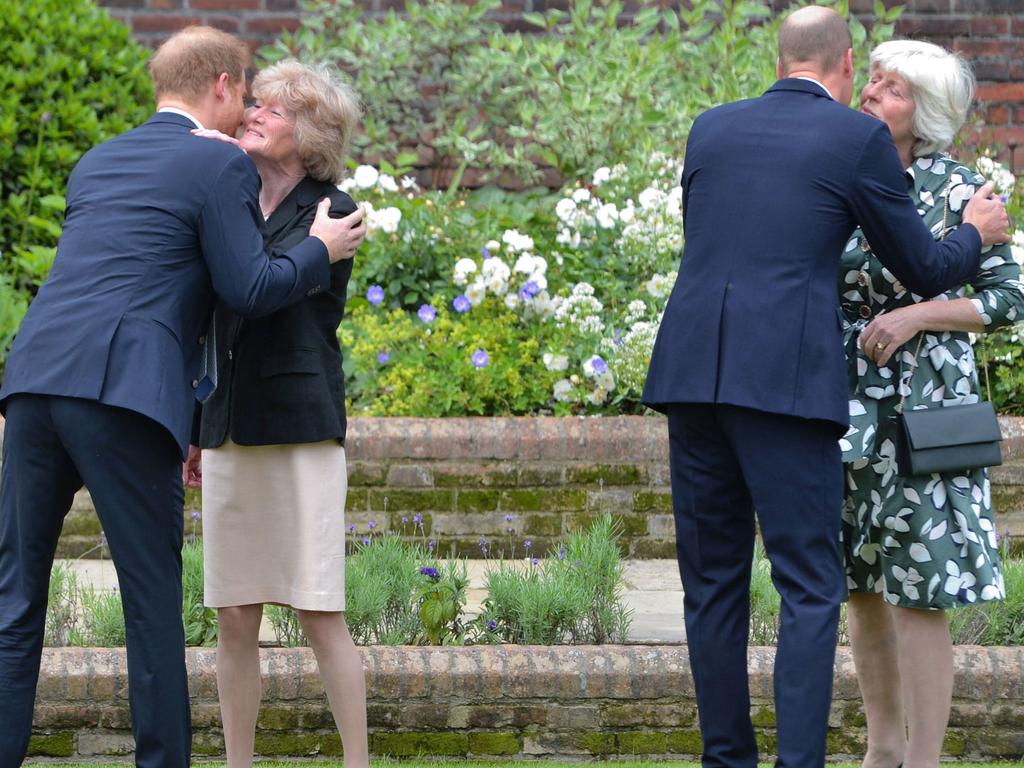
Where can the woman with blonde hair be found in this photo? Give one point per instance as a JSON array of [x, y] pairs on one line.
[[272, 434], [915, 546]]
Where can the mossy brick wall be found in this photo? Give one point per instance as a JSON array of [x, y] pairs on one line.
[[990, 33], [502, 702], [553, 475]]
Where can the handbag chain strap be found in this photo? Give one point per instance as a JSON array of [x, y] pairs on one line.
[[920, 340]]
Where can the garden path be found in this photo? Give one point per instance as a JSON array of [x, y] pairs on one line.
[[650, 588]]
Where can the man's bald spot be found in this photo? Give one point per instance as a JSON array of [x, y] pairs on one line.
[[813, 37]]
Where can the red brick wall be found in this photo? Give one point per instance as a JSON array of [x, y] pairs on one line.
[[989, 32]]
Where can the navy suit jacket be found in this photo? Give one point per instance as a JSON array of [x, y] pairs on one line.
[[773, 187], [157, 220]]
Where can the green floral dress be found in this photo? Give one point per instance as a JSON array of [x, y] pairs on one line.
[[930, 541]]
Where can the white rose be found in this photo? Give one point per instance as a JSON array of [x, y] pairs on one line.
[[408, 182], [651, 198], [555, 362], [463, 269], [511, 300], [539, 279], [562, 390], [365, 176], [347, 185], [601, 175], [493, 245], [387, 183], [607, 215], [566, 209], [524, 264], [581, 195], [476, 292]]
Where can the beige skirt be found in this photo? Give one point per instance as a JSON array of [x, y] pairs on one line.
[[274, 525]]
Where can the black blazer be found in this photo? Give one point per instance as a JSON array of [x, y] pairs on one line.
[[279, 376]]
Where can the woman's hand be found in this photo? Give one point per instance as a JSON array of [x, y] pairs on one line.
[[211, 133], [888, 332]]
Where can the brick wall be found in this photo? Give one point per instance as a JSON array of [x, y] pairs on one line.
[[989, 32], [502, 702], [463, 476]]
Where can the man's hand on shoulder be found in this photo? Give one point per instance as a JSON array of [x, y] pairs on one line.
[[987, 214], [212, 133], [341, 236]]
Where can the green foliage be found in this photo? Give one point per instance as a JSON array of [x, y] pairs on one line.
[[998, 622], [402, 65], [200, 621], [72, 77], [285, 623], [430, 371], [382, 580], [571, 596], [581, 92], [441, 600], [102, 618], [61, 607]]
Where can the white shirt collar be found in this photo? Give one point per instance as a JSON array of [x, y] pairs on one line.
[[819, 84], [183, 113]]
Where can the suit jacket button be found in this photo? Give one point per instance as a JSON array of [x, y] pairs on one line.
[[231, 355], [195, 383], [202, 339], [864, 311]]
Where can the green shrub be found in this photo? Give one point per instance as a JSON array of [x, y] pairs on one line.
[[999, 622], [200, 621], [580, 92], [102, 618], [72, 78], [61, 607], [570, 596]]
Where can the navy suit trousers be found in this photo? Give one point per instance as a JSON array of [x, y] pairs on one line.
[[727, 462], [132, 468]]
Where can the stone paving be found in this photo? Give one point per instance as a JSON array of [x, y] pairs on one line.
[[650, 588]]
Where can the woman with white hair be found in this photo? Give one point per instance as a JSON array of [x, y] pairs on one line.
[[915, 546], [273, 432]]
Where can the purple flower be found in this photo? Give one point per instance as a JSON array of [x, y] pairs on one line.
[[431, 544], [527, 544], [195, 515], [427, 313], [492, 625], [534, 561], [483, 545], [485, 253], [617, 337], [383, 357], [351, 527], [417, 518], [529, 290], [404, 520], [600, 366], [480, 358], [462, 303], [431, 572], [366, 540], [371, 525], [375, 294], [508, 517], [561, 553]]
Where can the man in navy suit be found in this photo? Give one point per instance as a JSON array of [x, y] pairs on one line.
[[99, 386], [749, 367]]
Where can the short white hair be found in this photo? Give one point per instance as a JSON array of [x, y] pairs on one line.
[[942, 84]]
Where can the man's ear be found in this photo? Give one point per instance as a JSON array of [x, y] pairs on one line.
[[223, 85], [778, 67], [848, 62]]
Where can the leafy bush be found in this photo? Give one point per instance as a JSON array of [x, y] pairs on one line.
[[571, 596], [102, 618], [580, 92], [72, 77], [200, 621], [61, 607]]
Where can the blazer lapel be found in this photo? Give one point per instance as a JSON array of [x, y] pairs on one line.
[[304, 193]]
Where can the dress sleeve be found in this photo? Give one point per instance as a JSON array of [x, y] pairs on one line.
[[998, 288]]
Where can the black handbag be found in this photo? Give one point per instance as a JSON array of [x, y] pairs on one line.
[[947, 439]]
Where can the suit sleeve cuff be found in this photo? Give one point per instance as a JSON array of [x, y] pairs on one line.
[[313, 264]]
